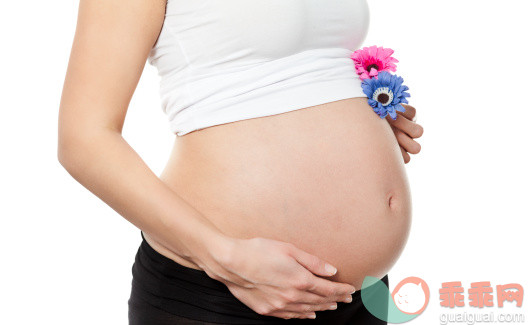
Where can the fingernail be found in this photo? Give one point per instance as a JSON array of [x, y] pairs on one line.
[[330, 269], [348, 299], [312, 316], [333, 307]]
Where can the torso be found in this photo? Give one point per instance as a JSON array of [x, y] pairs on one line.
[[329, 179]]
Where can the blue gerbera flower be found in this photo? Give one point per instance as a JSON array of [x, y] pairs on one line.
[[386, 93]]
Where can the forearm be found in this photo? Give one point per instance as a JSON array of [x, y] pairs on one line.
[[107, 165]]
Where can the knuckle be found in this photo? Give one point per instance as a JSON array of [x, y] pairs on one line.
[[400, 136], [313, 262], [333, 292], [262, 310], [322, 301], [279, 305], [307, 308], [290, 296], [303, 283]]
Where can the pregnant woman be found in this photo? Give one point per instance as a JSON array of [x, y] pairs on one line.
[[280, 173]]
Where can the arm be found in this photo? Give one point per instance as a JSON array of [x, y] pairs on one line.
[[110, 47], [111, 44]]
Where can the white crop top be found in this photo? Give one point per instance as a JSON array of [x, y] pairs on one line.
[[222, 61]]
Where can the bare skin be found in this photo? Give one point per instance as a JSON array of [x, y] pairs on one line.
[[328, 179], [267, 270], [406, 130]]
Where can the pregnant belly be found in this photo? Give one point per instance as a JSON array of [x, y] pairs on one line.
[[329, 179]]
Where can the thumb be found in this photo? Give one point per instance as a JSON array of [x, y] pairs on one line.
[[313, 263]]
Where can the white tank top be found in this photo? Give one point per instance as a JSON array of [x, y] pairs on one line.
[[223, 61]]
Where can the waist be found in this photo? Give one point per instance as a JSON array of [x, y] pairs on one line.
[[162, 287], [328, 178]]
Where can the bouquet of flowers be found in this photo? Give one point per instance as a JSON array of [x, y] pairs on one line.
[[384, 90]]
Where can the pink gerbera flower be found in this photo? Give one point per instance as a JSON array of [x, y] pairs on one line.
[[369, 61]]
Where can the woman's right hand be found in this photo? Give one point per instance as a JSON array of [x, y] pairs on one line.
[[275, 278]]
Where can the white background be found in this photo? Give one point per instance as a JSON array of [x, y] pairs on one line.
[[66, 256]]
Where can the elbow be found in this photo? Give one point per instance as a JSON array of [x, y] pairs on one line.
[[72, 149], [66, 153], [62, 157], [77, 148]]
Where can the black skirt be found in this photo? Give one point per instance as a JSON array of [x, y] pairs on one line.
[[167, 293]]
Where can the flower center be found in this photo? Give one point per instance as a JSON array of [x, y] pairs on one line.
[[373, 65], [383, 95], [383, 98]]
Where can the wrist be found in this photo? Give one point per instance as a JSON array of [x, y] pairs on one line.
[[216, 248]]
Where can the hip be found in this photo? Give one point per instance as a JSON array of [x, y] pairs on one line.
[[167, 293]]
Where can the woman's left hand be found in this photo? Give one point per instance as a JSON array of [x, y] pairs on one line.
[[406, 130]]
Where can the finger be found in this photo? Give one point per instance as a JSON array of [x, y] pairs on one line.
[[306, 308], [289, 315], [311, 262], [306, 297], [407, 143], [410, 112], [406, 156], [329, 289], [413, 129]]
